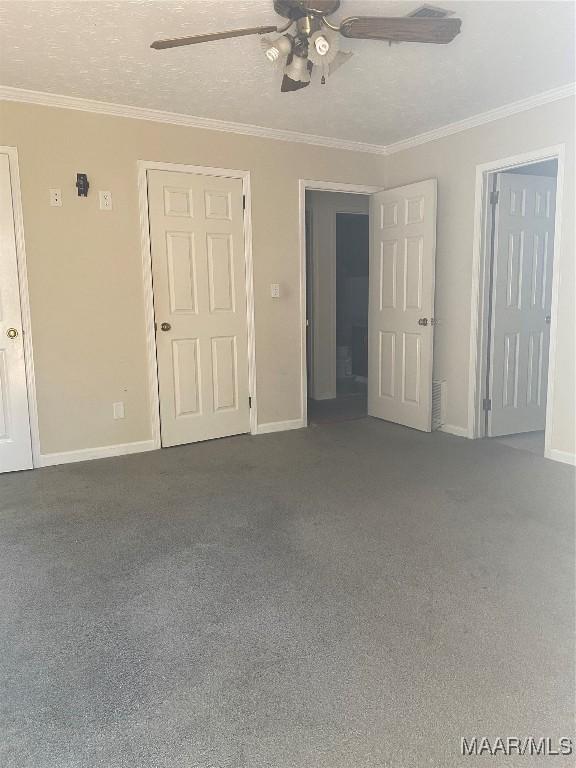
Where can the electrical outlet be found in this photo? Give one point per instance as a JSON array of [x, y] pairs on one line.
[[118, 410], [105, 201], [275, 290], [56, 198]]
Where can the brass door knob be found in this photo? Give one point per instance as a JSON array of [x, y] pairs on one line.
[[423, 321], [11, 333], [165, 327]]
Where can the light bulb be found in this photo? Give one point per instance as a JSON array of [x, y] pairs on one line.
[[280, 47], [322, 45]]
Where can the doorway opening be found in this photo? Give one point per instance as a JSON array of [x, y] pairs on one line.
[[401, 267], [516, 303], [337, 260]]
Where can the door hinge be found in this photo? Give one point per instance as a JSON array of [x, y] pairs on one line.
[[249, 402], [494, 197], [243, 202], [487, 404]]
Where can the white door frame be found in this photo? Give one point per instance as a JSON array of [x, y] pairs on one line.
[[143, 167], [480, 296], [12, 153], [315, 186]]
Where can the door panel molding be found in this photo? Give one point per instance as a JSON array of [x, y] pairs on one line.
[[219, 211], [519, 309], [403, 222], [482, 219], [12, 154]]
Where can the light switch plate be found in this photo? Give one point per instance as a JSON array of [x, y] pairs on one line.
[[275, 290], [118, 410], [105, 201], [56, 198]]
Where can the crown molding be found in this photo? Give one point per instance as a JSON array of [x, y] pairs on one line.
[[538, 100], [42, 98]]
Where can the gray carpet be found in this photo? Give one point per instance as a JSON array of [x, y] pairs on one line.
[[527, 441], [341, 408], [357, 595]]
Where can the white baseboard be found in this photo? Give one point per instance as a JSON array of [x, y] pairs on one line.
[[563, 456], [279, 426], [104, 452], [453, 430]]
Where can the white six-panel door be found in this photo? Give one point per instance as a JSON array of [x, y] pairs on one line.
[[521, 301], [199, 283], [401, 304], [15, 441]]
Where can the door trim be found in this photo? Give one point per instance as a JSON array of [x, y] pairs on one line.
[[22, 269], [479, 298], [148, 165], [314, 186]]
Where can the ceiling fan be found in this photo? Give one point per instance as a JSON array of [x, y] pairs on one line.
[[309, 39]]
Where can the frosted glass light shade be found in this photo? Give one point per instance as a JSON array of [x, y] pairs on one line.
[[298, 70]]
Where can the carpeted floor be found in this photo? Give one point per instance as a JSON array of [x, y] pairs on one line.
[[527, 441], [342, 408], [357, 595]]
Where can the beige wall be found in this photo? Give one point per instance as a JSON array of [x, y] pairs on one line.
[[85, 264], [323, 207], [453, 162]]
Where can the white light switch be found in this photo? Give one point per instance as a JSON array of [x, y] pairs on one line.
[[275, 290], [105, 201], [56, 198], [118, 410]]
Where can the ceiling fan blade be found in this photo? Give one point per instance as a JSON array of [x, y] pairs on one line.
[[405, 29], [176, 41]]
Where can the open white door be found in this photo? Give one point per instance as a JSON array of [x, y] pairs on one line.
[[15, 440], [199, 277], [401, 305], [521, 301]]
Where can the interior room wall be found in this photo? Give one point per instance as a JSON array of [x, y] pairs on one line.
[[453, 160], [85, 265], [323, 207], [85, 269]]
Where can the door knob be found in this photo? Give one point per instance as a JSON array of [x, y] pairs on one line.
[[548, 319], [11, 333], [165, 327], [423, 321]]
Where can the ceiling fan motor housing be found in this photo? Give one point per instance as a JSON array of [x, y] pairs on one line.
[[296, 9]]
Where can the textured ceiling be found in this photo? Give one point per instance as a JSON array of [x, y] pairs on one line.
[[100, 50]]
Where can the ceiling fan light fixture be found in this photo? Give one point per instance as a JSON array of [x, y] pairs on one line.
[[322, 45], [315, 42], [274, 49], [296, 74], [297, 70]]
